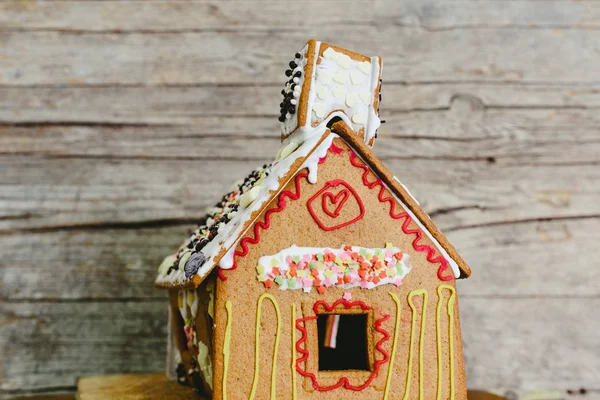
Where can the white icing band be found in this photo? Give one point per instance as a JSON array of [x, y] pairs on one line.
[[346, 267]]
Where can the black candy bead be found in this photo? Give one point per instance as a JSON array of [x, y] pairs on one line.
[[288, 72], [292, 109], [193, 264], [298, 55], [283, 92], [298, 74], [281, 118], [293, 65]]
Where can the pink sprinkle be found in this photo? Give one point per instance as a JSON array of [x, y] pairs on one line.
[[307, 282], [327, 282], [347, 296], [389, 253], [288, 259], [398, 282], [364, 284], [306, 258]]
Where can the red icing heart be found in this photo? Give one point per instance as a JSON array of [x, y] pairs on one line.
[[338, 201], [331, 217]]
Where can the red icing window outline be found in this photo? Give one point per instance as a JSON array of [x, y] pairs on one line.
[[348, 190], [343, 382]]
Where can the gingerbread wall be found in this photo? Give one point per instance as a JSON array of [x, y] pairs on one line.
[[239, 314]]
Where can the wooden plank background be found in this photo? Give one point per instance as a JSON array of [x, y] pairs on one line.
[[120, 121]]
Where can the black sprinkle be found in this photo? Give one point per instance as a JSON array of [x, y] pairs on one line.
[[293, 86], [383, 121], [281, 118], [292, 109], [288, 72], [298, 74], [298, 55], [293, 65], [203, 242]]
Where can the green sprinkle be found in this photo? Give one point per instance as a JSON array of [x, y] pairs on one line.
[[389, 246], [292, 283], [260, 269], [363, 252], [296, 259], [338, 261], [279, 280], [320, 257], [274, 262]]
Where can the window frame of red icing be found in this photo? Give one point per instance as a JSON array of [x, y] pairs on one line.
[[321, 193], [307, 348]]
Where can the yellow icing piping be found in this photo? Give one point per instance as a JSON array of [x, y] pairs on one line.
[[293, 351], [394, 345], [450, 339], [421, 341], [226, 347], [257, 345]]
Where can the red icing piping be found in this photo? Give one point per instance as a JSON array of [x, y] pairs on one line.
[[281, 204], [337, 200], [334, 149], [344, 380], [323, 192], [407, 220]]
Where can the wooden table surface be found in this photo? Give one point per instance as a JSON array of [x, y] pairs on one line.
[[122, 120]]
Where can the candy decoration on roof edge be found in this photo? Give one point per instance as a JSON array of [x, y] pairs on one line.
[[327, 82]]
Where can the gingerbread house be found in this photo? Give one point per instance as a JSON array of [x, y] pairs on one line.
[[318, 276]]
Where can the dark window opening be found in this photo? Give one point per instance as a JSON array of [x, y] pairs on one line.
[[351, 342]]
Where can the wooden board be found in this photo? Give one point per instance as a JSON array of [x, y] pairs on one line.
[[121, 121], [133, 387]]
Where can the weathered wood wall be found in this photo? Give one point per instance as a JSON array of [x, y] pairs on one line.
[[120, 121]]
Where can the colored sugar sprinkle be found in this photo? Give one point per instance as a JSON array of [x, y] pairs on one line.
[[321, 268]]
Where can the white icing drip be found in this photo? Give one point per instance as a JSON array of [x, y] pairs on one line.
[[324, 273], [195, 302], [205, 363], [373, 121]]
